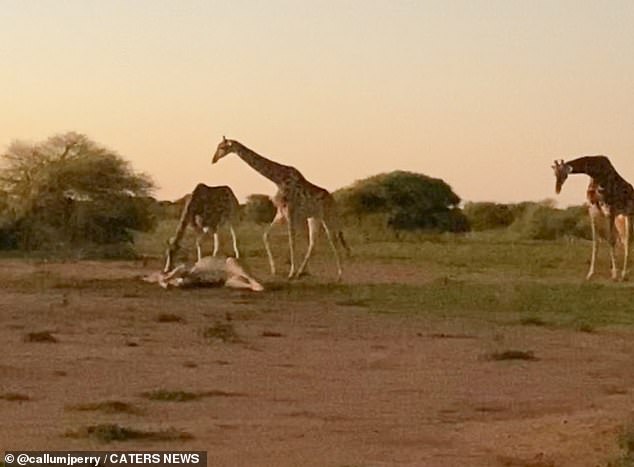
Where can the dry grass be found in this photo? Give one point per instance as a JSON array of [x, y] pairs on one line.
[[169, 318], [109, 407], [107, 433], [41, 337], [14, 397], [224, 332], [513, 355], [533, 321], [164, 395]]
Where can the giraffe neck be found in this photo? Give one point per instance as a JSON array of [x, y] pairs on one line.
[[597, 167], [275, 172]]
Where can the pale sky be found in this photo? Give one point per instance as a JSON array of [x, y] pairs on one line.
[[484, 94]]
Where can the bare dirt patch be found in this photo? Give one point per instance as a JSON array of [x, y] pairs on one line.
[[322, 382]]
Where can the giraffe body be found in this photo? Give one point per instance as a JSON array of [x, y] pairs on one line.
[[205, 210], [297, 201], [610, 205]]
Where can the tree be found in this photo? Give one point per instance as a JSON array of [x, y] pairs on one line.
[[70, 190], [407, 200], [259, 209]]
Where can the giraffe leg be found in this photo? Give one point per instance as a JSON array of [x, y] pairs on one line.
[[239, 277], [334, 250], [199, 251], [291, 245], [593, 227], [625, 238], [235, 242], [611, 243], [279, 217], [216, 244], [168, 258], [313, 229]]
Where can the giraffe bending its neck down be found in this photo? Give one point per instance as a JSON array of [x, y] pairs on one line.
[[611, 200], [297, 201], [206, 208]]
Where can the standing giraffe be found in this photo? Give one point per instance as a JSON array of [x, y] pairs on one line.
[[297, 201], [610, 198], [206, 208]]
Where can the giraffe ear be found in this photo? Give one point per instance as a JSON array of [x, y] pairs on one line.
[[224, 140]]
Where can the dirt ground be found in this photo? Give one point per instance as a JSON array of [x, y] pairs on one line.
[[305, 382]]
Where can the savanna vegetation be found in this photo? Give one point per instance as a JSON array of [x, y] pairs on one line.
[[71, 196], [70, 193], [472, 317]]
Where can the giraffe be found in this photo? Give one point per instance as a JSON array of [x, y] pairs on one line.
[[206, 208], [611, 200], [297, 201], [208, 271]]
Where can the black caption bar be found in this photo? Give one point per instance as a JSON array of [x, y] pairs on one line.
[[104, 458]]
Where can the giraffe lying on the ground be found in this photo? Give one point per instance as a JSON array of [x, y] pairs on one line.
[[206, 208], [209, 271], [297, 201], [611, 202]]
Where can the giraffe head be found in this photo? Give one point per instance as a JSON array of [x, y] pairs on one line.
[[226, 146], [561, 174]]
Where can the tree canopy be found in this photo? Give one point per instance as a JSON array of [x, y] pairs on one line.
[[407, 200], [71, 190], [259, 209]]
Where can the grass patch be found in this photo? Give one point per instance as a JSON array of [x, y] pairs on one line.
[[107, 433], [224, 332], [585, 327], [14, 397], [626, 443], [445, 335], [109, 407], [171, 396], [169, 318], [532, 321], [164, 395], [271, 334], [41, 336], [360, 302], [557, 305], [513, 355], [537, 461]]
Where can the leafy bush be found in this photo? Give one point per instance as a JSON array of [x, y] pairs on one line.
[[69, 191], [405, 200], [486, 215], [541, 221], [259, 209]]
